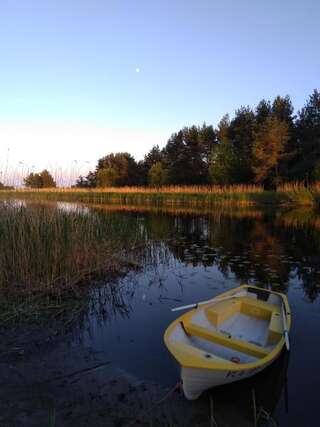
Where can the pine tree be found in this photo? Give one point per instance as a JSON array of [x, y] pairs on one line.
[[269, 148]]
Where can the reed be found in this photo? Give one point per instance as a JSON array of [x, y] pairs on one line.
[[53, 253], [194, 196], [301, 194], [241, 195], [189, 189]]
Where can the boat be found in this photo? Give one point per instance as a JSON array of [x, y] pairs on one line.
[[229, 338]]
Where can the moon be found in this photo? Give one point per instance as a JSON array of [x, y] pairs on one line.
[[137, 70]]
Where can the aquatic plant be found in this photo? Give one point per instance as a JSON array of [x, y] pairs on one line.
[[53, 253], [242, 195], [179, 195]]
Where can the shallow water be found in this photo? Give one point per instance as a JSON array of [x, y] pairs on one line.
[[193, 256]]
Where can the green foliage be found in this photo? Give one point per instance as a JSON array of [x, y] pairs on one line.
[[40, 180], [241, 134], [33, 180], [269, 146], [308, 134], [187, 154], [154, 156], [263, 111], [158, 175], [223, 129], [106, 177], [47, 179], [266, 144], [224, 166], [124, 166]]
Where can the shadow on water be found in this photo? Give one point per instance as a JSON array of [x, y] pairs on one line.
[[253, 401], [189, 256]]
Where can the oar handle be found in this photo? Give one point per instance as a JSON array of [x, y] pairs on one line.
[[213, 301], [286, 337], [285, 326], [185, 307]]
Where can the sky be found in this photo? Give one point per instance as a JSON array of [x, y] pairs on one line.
[[82, 78]]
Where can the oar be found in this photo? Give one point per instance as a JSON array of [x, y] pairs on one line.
[[285, 327], [213, 300]]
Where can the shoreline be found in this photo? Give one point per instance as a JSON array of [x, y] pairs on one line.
[[193, 197], [80, 386]]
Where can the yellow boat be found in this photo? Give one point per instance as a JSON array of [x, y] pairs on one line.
[[228, 338]]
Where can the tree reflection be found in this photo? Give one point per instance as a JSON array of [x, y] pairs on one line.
[[266, 249]]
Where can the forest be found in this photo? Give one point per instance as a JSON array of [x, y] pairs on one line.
[[267, 145]]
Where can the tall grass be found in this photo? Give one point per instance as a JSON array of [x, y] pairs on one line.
[[188, 189], [243, 195], [301, 194], [49, 251], [194, 196]]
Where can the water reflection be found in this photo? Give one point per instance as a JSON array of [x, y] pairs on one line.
[[190, 255], [254, 400], [264, 249]]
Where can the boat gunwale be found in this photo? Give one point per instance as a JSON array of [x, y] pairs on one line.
[[211, 364]]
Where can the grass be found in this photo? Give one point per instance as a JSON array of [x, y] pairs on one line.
[[201, 196], [48, 254], [240, 195], [300, 194]]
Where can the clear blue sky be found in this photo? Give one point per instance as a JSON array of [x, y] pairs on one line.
[[72, 63]]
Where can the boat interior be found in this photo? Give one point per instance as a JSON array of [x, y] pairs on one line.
[[240, 328]]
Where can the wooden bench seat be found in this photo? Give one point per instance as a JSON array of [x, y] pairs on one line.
[[225, 340]]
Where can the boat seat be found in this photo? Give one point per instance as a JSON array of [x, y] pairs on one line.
[[225, 340], [222, 311], [275, 329], [219, 312]]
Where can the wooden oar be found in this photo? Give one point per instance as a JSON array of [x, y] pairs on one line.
[[213, 300], [285, 326]]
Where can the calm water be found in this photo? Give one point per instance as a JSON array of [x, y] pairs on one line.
[[192, 256]]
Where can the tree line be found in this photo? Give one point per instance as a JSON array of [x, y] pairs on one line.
[[266, 145]]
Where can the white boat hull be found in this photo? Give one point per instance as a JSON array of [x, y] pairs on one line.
[[195, 381]]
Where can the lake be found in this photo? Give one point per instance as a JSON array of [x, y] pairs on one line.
[[192, 255]]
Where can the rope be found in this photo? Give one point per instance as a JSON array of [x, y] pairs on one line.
[[177, 387]]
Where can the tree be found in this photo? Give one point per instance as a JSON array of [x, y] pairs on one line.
[[40, 180], [176, 159], [88, 181], [187, 153], [33, 180], [124, 165], [263, 111], [158, 175], [82, 182], [224, 164], [47, 179], [207, 141], [241, 134], [223, 129], [269, 148], [308, 138], [154, 156], [106, 177]]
